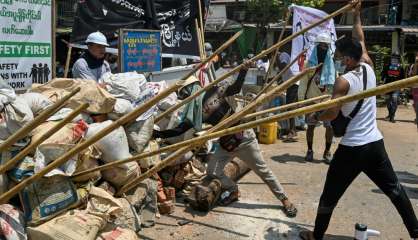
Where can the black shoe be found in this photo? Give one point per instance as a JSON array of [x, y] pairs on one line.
[[392, 120], [309, 156]]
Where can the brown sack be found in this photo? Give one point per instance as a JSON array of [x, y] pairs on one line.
[[75, 225], [99, 99], [118, 234], [86, 160]]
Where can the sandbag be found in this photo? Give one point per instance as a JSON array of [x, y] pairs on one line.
[[12, 223], [150, 161], [71, 133], [99, 100], [128, 218], [118, 234], [47, 198], [74, 225], [36, 101], [7, 93], [139, 134], [13, 117], [121, 174], [24, 169], [122, 107], [88, 159], [124, 85], [114, 146], [47, 153], [103, 204]]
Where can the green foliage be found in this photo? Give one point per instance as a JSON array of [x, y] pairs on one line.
[[381, 56]]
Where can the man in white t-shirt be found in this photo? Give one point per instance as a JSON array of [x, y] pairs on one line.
[[362, 148]]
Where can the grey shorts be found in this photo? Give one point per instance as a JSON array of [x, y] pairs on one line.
[[326, 124]]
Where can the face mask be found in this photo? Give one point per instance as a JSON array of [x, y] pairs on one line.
[[339, 66]]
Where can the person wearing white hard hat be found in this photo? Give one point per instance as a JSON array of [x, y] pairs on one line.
[[92, 64], [317, 84]]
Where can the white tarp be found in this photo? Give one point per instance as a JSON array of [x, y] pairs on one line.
[[25, 42], [303, 17]]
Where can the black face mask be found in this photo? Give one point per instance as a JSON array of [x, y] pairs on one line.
[[91, 60], [321, 53]]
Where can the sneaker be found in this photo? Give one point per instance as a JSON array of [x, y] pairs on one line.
[[309, 156], [327, 157]]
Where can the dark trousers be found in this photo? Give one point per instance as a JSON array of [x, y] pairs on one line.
[[347, 164], [392, 103], [291, 97]]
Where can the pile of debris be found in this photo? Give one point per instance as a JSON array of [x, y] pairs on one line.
[[63, 206]]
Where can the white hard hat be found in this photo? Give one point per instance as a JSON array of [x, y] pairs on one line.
[[187, 82], [323, 38], [97, 38]]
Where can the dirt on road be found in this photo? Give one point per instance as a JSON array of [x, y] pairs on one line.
[[258, 214]]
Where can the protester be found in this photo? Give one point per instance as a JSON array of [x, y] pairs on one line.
[[92, 64], [291, 94], [215, 105], [362, 148], [320, 83], [391, 73], [414, 72]]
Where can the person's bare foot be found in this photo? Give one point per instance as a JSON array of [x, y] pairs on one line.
[[307, 235]]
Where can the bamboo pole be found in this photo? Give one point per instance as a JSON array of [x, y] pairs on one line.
[[280, 74], [67, 61], [199, 40], [202, 27], [224, 124], [259, 56], [121, 121], [291, 114], [273, 58], [194, 141], [44, 115], [12, 162], [285, 107]]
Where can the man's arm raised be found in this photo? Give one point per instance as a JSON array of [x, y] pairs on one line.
[[359, 34]]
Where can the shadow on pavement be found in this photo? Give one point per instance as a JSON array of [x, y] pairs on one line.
[[397, 120], [330, 236], [209, 226], [407, 177], [285, 158], [410, 191]]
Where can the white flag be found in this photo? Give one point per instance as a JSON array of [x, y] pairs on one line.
[[303, 17]]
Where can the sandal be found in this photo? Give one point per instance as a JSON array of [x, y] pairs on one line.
[[306, 235], [290, 210]]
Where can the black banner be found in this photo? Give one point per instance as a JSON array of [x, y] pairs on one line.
[[175, 19]]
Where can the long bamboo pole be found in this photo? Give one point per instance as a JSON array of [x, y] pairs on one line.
[[202, 26], [67, 61], [12, 162], [199, 40], [194, 141], [121, 121], [285, 107], [224, 124], [259, 56], [44, 115], [291, 114], [280, 74], [273, 58]]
